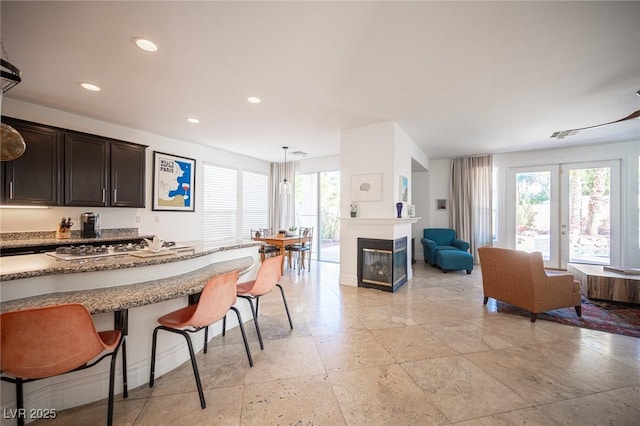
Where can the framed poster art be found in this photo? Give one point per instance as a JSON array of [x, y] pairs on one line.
[[404, 189], [174, 179], [366, 187], [441, 204]]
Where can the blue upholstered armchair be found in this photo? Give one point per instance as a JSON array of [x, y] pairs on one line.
[[435, 239]]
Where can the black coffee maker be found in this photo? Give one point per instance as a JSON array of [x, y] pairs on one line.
[[90, 225]]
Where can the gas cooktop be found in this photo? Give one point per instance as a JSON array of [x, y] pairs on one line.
[[88, 251]]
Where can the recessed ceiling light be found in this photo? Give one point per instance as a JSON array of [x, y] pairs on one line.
[[192, 120], [253, 100], [90, 86], [146, 45]]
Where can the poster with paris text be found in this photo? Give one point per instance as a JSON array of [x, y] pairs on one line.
[[173, 182]]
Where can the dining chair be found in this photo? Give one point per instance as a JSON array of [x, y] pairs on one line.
[[265, 250], [302, 247], [43, 342], [268, 277], [217, 298]]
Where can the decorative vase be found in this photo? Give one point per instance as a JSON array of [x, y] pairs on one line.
[[399, 208]]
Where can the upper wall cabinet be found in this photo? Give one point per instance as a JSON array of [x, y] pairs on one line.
[[127, 175], [35, 177], [89, 170], [103, 172], [86, 161]]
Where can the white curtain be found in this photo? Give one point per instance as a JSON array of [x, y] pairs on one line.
[[282, 205], [470, 207]]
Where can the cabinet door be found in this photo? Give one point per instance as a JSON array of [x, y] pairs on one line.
[[34, 178], [127, 175], [86, 159]]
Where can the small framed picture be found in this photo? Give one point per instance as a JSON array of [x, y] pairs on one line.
[[441, 204], [366, 187], [174, 179], [404, 189]]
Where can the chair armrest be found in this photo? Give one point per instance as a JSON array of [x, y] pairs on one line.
[[462, 245], [556, 287], [428, 243]]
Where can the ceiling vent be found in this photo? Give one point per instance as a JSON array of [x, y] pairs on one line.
[[563, 134]]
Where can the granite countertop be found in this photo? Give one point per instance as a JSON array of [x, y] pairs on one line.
[[36, 265], [118, 298]]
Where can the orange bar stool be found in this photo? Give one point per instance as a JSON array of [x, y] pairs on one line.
[[217, 298], [39, 343], [268, 277]]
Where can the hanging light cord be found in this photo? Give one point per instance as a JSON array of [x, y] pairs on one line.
[[285, 164]]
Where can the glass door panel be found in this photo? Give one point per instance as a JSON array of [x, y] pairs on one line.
[[568, 212], [329, 244], [590, 213], [307, 205], [318, 205], [533, 212]]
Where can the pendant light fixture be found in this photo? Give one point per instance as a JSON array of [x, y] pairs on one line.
[[285, 185], [12, 144], [10, 74]]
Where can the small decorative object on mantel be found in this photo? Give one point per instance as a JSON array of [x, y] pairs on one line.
[[399, 209], [64, 228], [354, 210], [411, 208]]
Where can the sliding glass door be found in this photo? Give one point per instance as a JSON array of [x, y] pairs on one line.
[[318, 205], [568, 212]]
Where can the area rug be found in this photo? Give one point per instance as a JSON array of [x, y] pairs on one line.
[[618, 318]]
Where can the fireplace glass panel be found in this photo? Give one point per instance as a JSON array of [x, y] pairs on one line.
[[382, 264]]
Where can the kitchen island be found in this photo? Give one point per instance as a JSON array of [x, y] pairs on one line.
[[143, 288]]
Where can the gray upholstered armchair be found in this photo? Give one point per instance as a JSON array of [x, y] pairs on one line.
[[435, 239]]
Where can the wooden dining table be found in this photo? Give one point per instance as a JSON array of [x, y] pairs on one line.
[[282, 241]]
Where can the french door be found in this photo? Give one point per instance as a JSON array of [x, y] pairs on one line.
[[318, 205], [568, 212]]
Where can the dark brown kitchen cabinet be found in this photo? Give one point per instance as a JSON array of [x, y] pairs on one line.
[[127, 175], [35, 177], [101, 172], [86, 160], [71, 168]]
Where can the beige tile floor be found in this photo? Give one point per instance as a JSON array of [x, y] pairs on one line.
[[430, 353]]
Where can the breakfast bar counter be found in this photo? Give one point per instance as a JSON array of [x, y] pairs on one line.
[[119, 298], [35, 265], [129, 290]]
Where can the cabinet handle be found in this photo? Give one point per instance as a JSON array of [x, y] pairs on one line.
[[104, 195], [115, 195], [11, 190]]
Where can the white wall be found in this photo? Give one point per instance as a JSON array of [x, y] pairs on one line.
[[366, 150], [382, 148], [421, 199], [318, 164], [439, 180], [179, 226]]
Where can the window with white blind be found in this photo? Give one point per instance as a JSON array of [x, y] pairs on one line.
[[220, 203], [234, 203], [255, 202]]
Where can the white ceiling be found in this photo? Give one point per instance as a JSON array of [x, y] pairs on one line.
[[459, 78]]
